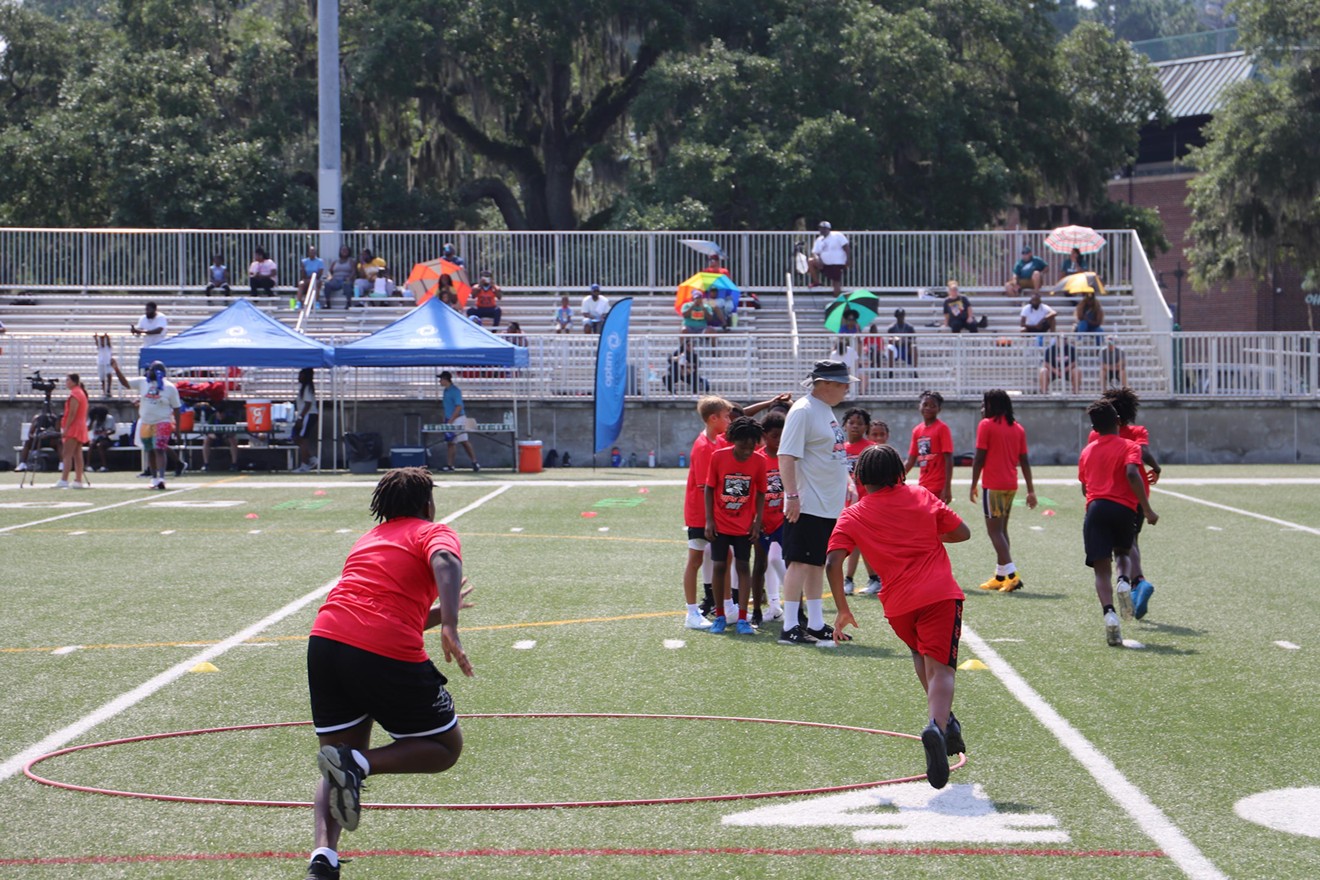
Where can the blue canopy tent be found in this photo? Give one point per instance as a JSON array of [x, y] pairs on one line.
[[434, 334], [240, 336]]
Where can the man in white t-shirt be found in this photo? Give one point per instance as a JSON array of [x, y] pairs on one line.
[[830, 255], [1036, 316], [813, 467], [594, 309], [152, 324], [158, 405]]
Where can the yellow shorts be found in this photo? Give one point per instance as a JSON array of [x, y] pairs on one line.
[[997, 503]]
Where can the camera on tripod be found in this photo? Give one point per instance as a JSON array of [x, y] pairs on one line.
[[40, 384]]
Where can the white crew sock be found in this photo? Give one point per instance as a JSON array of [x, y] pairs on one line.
[[815, 613], [791, 614]]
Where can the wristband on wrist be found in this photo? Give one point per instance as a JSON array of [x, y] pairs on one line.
[[791, 497]]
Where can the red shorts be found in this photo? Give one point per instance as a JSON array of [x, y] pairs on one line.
[[932, 630], [157, 436]]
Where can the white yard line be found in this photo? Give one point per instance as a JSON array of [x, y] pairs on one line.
[[1149, 818], [87, 510], [1237, 510], [61, 738]]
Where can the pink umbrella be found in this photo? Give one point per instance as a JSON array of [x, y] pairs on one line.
[[1065, 238]]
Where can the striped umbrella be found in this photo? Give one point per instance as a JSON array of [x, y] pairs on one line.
[[1065, 238]]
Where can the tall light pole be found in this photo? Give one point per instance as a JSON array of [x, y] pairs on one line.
[[328, 178]]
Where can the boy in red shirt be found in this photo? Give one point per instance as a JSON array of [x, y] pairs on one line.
[[931, 450], [1110, 472], [1133, 591], [901, 531], [1001, 448], [735, 503], [366, 662], [714, 412], [768, 569], [856, 427]]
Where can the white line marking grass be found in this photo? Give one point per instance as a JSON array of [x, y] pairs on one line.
[[1288, 646], [1213, 529], [62, 737], [67, 649], [1150, 818], [524, 644], [674, 644], [1237, 510], [86, 510]]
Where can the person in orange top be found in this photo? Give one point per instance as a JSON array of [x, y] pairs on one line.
[[735, 503], [1110, 472], [1131, 578], [73, 432], [1001, 448], [714, 412], [367, 664], [931, 450], [901, 531], [485, 302]]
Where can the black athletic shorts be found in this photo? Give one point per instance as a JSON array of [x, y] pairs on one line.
[[1108, 529], [349, 685], [305, 428], [1140, 519], [807, 539], [741, 544]]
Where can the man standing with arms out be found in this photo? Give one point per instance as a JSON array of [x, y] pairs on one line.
[[367, 664], [830, 255], [152, 325], [813, 468], [454, 413], [158, 404], [594, 309]]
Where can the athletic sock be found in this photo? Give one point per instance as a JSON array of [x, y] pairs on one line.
[[730, 609], [791, 614], [694, 608], [815, 613], [327, 853], [742, 614], [362, 762], [710, 594], [1108, 609], [1001, 571]]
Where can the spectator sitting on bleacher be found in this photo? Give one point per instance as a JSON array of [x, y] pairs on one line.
[[1075, 263], [682, 372], [263, 274], [902, 341], [594, 309], [217, 276], [224, 413], [1060, 359], [514, 332], [958, 312], [1090, 314], [696, 317], [485, 301], [1113, 366], [152, 324], [1036, 317], [564, 316], [342, 272], [103, 430], [369, 266], [1028, 273], [312, 266], [449, 253]]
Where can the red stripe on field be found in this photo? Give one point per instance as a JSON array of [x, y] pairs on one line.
[[597, 851]]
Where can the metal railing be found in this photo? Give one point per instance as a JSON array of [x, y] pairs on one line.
[[746, 367]]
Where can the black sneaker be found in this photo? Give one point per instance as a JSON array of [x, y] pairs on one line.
[[795, 636], [320, 868], [476, 468], [953, 741], [180, 468], [824, 634], [756, 617], [937, 761], [344, 775]]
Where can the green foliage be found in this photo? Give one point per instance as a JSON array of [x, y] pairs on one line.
[[1136, 20]]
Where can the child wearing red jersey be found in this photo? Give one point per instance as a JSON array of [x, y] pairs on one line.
[[714, 412], [1110, 472], [366, 663], [856, 428], [931, 450], [768, 569], [1133, 591], [901, 530], [735, 503], [1001, 448]]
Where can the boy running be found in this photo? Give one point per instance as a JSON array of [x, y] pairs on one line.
[[1110, 472], [901, 531], [1001, 448], [714, 412], [931, 450], [735, 503], [366, 663]]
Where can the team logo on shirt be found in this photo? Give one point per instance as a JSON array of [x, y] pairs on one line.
[[737, 487], [840, 443], [774, 490]]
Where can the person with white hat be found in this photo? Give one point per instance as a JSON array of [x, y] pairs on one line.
[[830, 255]]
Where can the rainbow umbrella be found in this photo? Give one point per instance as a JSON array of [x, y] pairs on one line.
[[710, 284], [424, 279]]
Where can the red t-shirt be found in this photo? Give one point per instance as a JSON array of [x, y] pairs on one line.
[[898, 530], [1103, 469], [736, 484], [1138, 435], [694, 501], [773, 515], [1004, 446], [930, 443], [387, 589], [852, 450]]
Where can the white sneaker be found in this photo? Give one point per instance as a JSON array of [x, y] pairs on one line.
[[61, 484], [696, 621], [1113, 634], [102, 470], [77, 485], [156, 481], [303, 469], [22, 466], [774, 612], [872, 587], [1123, 599], [313, 463]]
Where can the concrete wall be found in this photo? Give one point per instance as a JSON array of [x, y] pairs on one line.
[[1181, 432]]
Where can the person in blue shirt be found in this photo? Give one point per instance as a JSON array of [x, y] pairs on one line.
[[312, 265], [452, 401], [1028, 273]]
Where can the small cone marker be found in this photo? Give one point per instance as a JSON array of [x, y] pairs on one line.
[[643, 491], [972, 664], [204, 666], [252, 516], [318, 493], [588, 514], [1047, 513]]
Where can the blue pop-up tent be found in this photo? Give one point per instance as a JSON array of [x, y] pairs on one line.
[[433, 334], [240, 336]]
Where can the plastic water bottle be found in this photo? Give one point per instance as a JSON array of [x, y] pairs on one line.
[[650, 459], [682, 460]]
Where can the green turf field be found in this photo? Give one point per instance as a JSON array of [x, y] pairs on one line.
[[1083, 761]]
